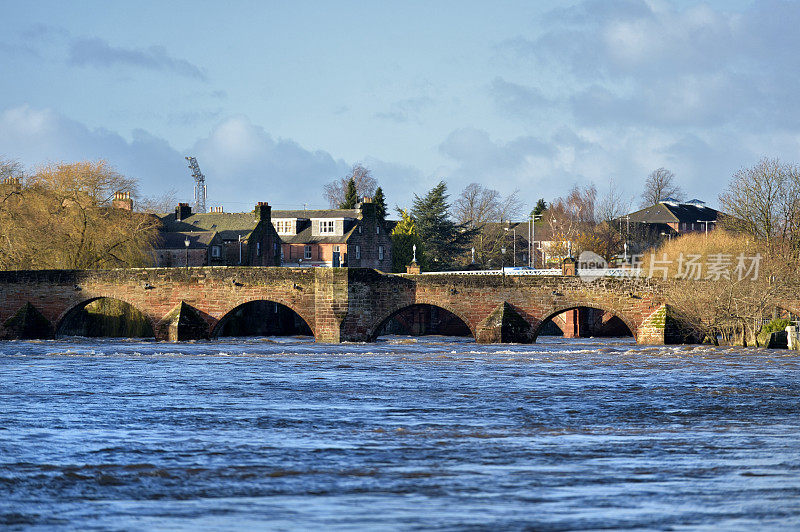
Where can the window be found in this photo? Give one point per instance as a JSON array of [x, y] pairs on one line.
[[336, 249], [358, 251], [359, 229], [380, 252], [307, 252], [258, 249], [377, 229], [326, 226], [216, 252], [284, 226]]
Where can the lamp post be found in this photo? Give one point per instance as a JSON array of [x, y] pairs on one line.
[[186, 243], [668, 235], [503, 261], [473, 255], [532, 239], [240, 249]]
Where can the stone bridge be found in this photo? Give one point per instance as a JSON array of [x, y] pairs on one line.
[[338, 304]]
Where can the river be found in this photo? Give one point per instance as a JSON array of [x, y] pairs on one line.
[[407, 433]]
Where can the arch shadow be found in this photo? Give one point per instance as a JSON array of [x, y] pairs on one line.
[[262, 317], [104, 317], [443, 314], [554, 313]]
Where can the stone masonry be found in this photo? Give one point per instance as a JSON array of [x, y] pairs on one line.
[[338, 304]]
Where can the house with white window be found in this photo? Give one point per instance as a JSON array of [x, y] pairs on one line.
[[356, 238]]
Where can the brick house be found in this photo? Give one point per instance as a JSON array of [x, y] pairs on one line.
[[217, 238], [356, 238]]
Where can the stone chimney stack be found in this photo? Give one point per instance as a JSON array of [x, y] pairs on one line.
[[366, 207], [122, 200], [13, 182], [182, 211], [263, 212]]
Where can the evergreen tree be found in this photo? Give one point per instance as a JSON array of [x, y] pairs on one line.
[[404, 238], [380, 203], [444, 240], [350, 196], [541, 206]]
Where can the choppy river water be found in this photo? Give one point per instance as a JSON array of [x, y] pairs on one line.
[[426, 433]]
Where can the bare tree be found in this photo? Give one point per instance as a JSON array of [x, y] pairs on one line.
[[613, 204], [572, 217], [365, 185], [61, 218], [764, 201], [10, 168], [160, 204], [477, 205], [658, 186]]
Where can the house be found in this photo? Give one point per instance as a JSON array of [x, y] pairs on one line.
[[217, 238], [356, 238], [671, 217]]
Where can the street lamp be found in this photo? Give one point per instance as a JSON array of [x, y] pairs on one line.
[[532, 239], [473, 255], [186, 243], [503, 260], [668, 235]]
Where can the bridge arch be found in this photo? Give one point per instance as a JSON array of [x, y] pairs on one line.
[[381, 322], [553, 312], [219, 327], [72, 313]]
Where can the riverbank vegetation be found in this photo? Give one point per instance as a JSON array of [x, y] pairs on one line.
[[61, 217]]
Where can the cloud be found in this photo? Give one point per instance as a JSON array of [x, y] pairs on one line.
[[405, 110], [100, 54], [514, 98], [36, 136], [652, 63]]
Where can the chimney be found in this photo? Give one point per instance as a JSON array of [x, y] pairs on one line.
[[14, 182], [122, 200], [367, 208], [263, 212], [182, 211]]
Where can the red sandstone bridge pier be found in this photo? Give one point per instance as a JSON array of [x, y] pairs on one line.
[[337, 304]]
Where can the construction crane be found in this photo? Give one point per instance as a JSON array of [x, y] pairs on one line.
[[199, 185]]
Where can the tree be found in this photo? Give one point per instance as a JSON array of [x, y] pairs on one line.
[[569, 217], [61, 218], [10, 168], [350, 196], [444, 240], [477, 205], [541, 206], [658, 186], [764, 202], [365, 185], [404, 238], [380, 203], [612, 205]]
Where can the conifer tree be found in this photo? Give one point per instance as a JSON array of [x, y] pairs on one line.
[[380, 203], [444, 240], [404, 238], [350, 196]]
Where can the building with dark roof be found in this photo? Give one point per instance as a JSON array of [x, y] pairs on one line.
[[672, 217], [217, 238], [357, 238], [329, 237]]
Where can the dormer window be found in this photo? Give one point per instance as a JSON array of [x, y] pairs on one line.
[[284, 227], [326, 226]]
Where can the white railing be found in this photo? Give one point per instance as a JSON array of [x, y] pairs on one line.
[[550, 272]]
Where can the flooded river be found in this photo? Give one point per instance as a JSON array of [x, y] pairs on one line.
[[433, 433]]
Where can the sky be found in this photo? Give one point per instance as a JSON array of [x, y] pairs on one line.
[[276, 99]]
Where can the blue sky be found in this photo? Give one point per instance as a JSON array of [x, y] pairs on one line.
[[275, 99]]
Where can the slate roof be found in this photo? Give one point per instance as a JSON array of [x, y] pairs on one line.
[[228, 225], [663, 213], [305, 237], [317, 213], [175, 240]]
